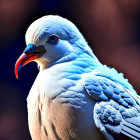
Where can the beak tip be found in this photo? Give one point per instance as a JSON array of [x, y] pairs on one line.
[[23, 60], [17, 76], [16, 73]]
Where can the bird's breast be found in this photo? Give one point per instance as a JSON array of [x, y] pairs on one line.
[[60, 110]]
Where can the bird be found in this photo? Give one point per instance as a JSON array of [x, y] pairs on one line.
[[75, 96]]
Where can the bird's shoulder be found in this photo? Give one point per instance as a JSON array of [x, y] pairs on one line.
[[101, 88]]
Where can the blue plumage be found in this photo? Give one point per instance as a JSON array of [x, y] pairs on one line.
[[108, 89]]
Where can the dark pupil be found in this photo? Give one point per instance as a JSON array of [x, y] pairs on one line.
[[52, 38]]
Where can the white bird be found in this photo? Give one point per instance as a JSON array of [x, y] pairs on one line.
[[74, 96]]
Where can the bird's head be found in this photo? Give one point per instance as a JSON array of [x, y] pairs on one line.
[[49, 39]]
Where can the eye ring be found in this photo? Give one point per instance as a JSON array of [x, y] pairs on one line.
[[53, 39]]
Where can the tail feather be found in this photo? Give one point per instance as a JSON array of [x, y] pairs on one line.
[[129, 135], [130, 129]]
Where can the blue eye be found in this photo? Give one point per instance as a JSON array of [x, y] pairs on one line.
[[53, 39]]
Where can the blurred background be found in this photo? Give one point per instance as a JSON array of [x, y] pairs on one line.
[[111, 27]]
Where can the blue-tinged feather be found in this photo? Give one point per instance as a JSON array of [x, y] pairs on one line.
[[116, 90], [103, 97], [74, 69], [116, 97], [108, 91], [120, 101], [73, 76], [124, 95], [123, 103], [130, 101]]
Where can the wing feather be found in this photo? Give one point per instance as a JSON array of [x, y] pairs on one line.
[[117, 110]]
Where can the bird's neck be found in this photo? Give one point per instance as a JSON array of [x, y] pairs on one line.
[[77, 64], [81, 59], [82, 64]]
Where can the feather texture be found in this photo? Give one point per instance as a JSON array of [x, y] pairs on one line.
[[74, 96]]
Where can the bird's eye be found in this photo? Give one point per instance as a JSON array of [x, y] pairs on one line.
[[53, 39]]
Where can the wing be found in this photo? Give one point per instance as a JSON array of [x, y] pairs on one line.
[[117, 112]]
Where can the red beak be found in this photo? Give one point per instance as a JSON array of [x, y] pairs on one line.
[[23, 60]]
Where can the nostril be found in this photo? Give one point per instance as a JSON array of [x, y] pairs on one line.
[[39, 49]]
